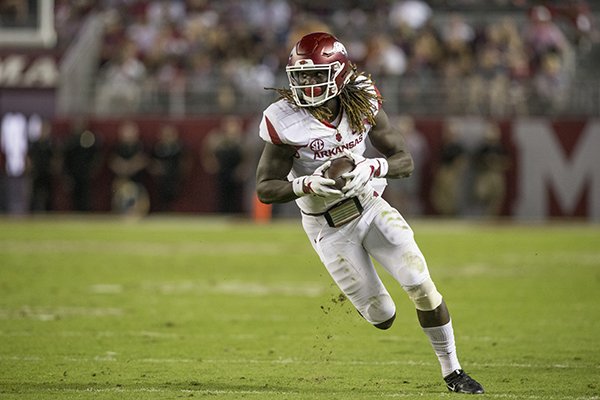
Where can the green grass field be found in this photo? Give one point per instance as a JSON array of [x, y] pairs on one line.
[[191, 307]]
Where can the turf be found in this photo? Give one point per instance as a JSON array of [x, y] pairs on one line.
[[193, 307]]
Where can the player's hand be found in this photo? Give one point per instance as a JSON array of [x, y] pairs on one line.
[[316, 184], [363, 172]]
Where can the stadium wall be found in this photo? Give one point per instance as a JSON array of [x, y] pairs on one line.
[[553, 166], [554, 170]]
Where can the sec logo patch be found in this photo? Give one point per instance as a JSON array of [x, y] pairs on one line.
[[317, 145]]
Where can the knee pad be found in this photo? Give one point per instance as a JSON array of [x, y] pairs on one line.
[[381, 310], [386, 324], [425, 296]]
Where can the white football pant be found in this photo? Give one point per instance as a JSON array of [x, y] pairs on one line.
[[346, 252]]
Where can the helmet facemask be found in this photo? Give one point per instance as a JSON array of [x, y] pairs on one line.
[[311, 95]]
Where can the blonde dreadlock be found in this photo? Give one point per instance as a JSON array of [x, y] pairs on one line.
[[355, 100]]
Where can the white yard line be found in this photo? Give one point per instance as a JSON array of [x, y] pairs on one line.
[[138, 248], [52, 313], [244, 288], [112, 357], [291, 393], [160, 390]]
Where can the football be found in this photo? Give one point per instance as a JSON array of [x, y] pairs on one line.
[[338, 167]]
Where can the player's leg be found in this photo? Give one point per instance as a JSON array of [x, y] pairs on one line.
[[354, 273], [391, 242], [352, 270]]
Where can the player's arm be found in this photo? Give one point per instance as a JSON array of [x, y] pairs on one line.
[[397, 162], [274, 165], [272, 185], [388, 140]]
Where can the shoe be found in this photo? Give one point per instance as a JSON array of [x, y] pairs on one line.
[[459, 382]]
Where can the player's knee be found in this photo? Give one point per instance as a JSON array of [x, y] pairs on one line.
[[381, 311], [425, 296], [386, 324]]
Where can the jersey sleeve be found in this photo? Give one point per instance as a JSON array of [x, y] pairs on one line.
[[267, 130], [282, 124]]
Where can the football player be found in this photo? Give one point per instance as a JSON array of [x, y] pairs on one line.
[[329, 111]]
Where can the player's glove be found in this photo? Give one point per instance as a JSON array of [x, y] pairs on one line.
[[315, 184], [365, 169]]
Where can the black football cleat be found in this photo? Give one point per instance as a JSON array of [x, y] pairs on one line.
[[459, 382]]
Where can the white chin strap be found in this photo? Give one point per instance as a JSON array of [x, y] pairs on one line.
[[316, 100]]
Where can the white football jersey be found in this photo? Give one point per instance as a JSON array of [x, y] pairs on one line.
[[315, 142]]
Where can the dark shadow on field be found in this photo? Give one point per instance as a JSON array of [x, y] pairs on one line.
[[317, 386]]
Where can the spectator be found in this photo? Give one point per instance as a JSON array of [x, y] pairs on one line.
[[424, 64], [191, 52], [405, 194], [223, 157], [519, 74], [303, 25], [127, 162], [384, 58], [413, 13], [543, 36], [121, 83], [43, 164], [488, 89], [114, 35], [551, 83], [448, 179], [457, 38], [491, 162], [15, 13], [581, 23], [457, 34], [165, 12], [81, 159], [68, 19], [143, 33], [13, 144], [167, 166]]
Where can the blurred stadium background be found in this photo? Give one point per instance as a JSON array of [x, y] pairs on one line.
[[499, 101]]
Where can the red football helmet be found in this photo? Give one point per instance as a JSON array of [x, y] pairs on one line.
[[318, 52]]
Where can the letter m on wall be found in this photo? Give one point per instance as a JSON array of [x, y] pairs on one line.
[[558, 164]]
